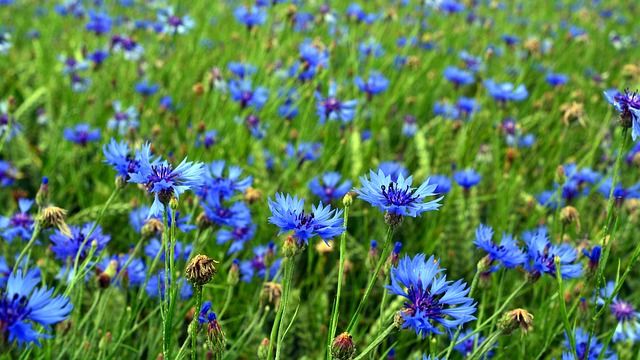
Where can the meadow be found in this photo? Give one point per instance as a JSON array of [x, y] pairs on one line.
[[288, 179]]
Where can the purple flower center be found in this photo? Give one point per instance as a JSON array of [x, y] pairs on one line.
[[622, 310], [424, 302], [22, 220], [397, 196], [174, 21], [331, 105], [12, 309]]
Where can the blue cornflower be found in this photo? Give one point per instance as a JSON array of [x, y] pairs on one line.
[[305, 151], [8, 173], [397, 197], [288, 214], [130, 49], [241, 232], [506, 91], [82, 134], [510, 40], [370, 47], [409, 125], [374, 85], [250, 16], [328, 189], [556, 79], [66, 246], [243, 93], [549, 199], [172, 24], [541, 254], [628, 327], [133, 275], [123, 120], [216, 183], [472, 63], [628, 106], [458, 77], [583, 342], [145, 88], [165, 182], [432, 303], [166, 103], [216, 212], [97, 57], [120, 157], [241, 70], [207, 139], [467, 178], [393, 169], [312, 58], [620, 194], [467, 106], [9, 127], [156, 286], [468, 345], [446, 110], [22, 305], [180, 251], [507, 252], [330, 108], [20, 224], [289, 109], [594, 256], [99, 23], [442, 182], [262, 265]]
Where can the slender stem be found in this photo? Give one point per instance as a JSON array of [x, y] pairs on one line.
[[376, 342], [275, 329], [285, 301], [227, 300], [194, 323], [486, 345], [336, 303], [166, 293], [27, 248], [372, 279], [563, 307]]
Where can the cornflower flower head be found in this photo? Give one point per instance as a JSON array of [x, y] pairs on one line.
[[20, 224], [594, 257], [446, 110], [207, 139], [264, 264], [81, 134], [313, 58], [375, 84], [129, 48], [620, 193], [65, 246], [393, 169], [241, 232], [243, 93], [505, 91], [328, 187], [156, 286], [250, 16], [146, 88], [442, 182], [627, 104], [219, 213], [216, 183], [584, 343], [305, 151], [458, 77], [507, 252], [397, 198], [409, 125], [99, 22], [138, 219], [164, 181], [473, 63], [121, 158], [467, 178], [370, 48], [170, 23], [123, 120], [556, 79], [628, 319], [432, 304], [288, 214], [22, 305], [241, 70], [331, 108], [541, 256], [467, 107]]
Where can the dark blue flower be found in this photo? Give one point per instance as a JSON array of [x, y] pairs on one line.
[[120, 157], [432, 303], [446, 110], [262, 265], [556, 79], [165, 182], [331, 108], [250, 16], [65, 246], [172, 24], [468, 345], [375, 84], [243, 93], [329, 189], [217, 212], [541, 254], [8, 173], [507, 252], [506, 91], [442, 183], [288, 214], [22, 305], [20, 224], [99, 22], [305, 151], [123, 120], [628, 319], [132, 51], [145, 88], [393, 169], [312, 59], [216, 183], [241, 70], [82, 134], [467, 178], [397, 196], [584, 342], [628, 106], [458, 77]]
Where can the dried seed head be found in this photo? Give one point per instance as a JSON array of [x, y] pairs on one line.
[[514, 319], [200, 270], [53, 216], [152, 227], [271, 294], [570, 215], [252, 195]]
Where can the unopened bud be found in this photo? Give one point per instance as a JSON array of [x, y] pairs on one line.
[[233, 277], [215, 336], [173, 203], [342, 347], [292, 247], [152, 227], [200, 270], [347, 200], [104, 278], [120, 182], [514, 319], [263, 349], [42, 196]]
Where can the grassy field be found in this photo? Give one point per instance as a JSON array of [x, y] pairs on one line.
[[516, 121]]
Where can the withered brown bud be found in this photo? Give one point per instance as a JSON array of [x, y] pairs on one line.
[[200, 270]]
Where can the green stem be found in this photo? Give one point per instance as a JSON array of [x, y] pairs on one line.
[[275, 328], [285, 301], [194, 323], [336, 303], [372, 279], [563, 307], [27, 248], [474, 284], [376, 342], [486, 346]]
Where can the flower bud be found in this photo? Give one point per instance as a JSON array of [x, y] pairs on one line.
[[233, 277], [42, 196], [570, 215], [200, 270], [104, 278], [342, 347], [173, 203], [263, 349], [292, 247], [514, 319], [271, 294], [372, 258], [252, 195], [215, 336], [347, 200], [152, 227]]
